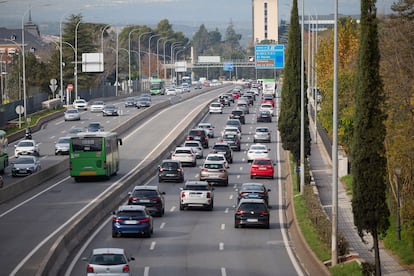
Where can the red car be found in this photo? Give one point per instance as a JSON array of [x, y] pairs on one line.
[[236, 94], [268, 98], [262, 167]]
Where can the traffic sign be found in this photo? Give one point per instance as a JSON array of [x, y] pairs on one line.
[[270, 56], [228, 66], [19, 109], [70, 87], [53, 85]]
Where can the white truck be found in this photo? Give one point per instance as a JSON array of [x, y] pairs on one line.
[[197, 194], [269, 86]]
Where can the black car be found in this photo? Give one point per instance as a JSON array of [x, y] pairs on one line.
[[150, 197], [252, 212], [198, 134], [170, 170], [143, 101], [253, 191], [110, 110], [233, 140], [223, 147], [94, 127], [238, 114], [264, 116], [130, 102]]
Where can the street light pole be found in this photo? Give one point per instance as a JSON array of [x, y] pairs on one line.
[[24, 67], [172, 57], [129, 59], [302, 106], [165, 67], [149, 56], [397, 172], [76, 59], [139, 59], [158, 60]]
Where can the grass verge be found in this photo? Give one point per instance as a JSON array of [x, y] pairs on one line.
[[402, 248], [345, 269]]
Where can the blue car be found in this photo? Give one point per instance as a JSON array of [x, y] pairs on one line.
[[132, 220]]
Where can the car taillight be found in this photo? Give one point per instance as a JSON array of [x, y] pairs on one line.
[[264, 213], [182, 194], [222, 170], [125, 268], [208, 195], [89, 269], [161, 169], [187, 138], [237, 141], [132, 199], [204, 170], [115, 219], [144, 220], [173, 154], [179, 170], [157, 199], [240, 212]]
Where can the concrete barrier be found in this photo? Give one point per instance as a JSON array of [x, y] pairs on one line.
[[59, 254]]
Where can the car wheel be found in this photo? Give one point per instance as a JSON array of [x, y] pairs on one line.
[[236, 225], [159, 179], [251, 176], [114, 234], [147, 234], [194, 164], [254, 140], [181, 207], [226, 182]]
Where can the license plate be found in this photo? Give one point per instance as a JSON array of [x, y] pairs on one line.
[[262, 169], [131, 222], [195, 195], [253, 195], [170, 174], [144, 200], [252, 220]]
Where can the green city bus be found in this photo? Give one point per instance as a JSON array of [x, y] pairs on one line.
[[4, 156], [157, 87], [94, 154]]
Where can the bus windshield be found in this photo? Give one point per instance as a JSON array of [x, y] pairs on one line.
[[87, 144]]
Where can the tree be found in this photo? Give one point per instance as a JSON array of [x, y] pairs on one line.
[[290, 109], [368, 151]]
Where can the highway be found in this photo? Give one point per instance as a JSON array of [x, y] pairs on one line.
[[189, 242]]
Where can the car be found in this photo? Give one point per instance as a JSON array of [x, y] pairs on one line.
[[97, 106], [224, 148], [130, 102], [170, 170], [198, 134], [262, 167], [233, 140], [243, 105], [224, 100], [80, 104], [74, 130], [198, 85], [231, 130], [266, 106], [262, 134], [247, 99], [252, 212], [143, 102], [236, 94], [185, 87], [72, 114], [132, 220], [111, 261], [94, 127], [149, 196], [217, 157], [268, 98], [238, 114], [257, 150], [253, 190], [62, 145], [26, 147], [208, 127], [170, 91], [25, 165], [229, 96], [197, 194], [110, 110], [214, 173], [185, 155], [215, 108], [178, 90], [264, 116], [234, 123], [197, 147]]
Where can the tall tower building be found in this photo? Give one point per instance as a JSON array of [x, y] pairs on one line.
[[265, 20]]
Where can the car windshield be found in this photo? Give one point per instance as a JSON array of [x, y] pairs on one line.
[[63, 141], [22, 160], [108, 259], [26, 144], [98, 103]]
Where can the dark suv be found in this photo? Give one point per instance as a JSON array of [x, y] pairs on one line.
[[170, 170], [252, 212], [150, 197], [238, 114], [198, 134], [223, 147]]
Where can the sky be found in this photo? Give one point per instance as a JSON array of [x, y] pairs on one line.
[[193, 12]]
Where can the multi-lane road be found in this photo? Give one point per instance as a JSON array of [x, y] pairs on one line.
[[184, 242]]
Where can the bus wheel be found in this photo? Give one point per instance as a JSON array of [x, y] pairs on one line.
[[77, 179]]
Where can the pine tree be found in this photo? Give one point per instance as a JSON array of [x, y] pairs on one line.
[[290, 115], [368, 151]]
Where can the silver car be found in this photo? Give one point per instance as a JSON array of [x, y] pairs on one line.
[[97, 106], [208, 127], [197, 147], [108, 261], [62, 145], [25, 165], [214, 172], [262, 134], [72, 114]]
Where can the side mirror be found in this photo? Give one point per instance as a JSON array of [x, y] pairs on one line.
[[120, 141], [129, 193], [163, 193], [132, 259]]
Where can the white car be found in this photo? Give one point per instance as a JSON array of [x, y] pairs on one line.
[[170, 91], [217, 157], [185, 155], [267, 106], [80, 104], [197, 194], [231, 130], [216, 108], [197, 147], [97, 106], [26, 147], [257, 151]]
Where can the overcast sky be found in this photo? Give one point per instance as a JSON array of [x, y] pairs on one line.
[[195, 12]]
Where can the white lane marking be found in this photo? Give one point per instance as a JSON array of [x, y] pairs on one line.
[[231, 197], [226, 210], [221, 246], [223, 271], [146, 271], [234, 186], [281, 216], [172, 209], [241, 168], [152, 246], [52, 137], [111, 187], [162, 225], [223, 226], [238, 176]]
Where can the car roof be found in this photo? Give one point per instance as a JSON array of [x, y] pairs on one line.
[[252, 184], [146, 187], [184, 148], [196, 182], [108, 251], [131, 208], [212, 162]]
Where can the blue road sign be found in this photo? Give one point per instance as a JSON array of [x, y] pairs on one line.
[[228, 66], [270, 56]]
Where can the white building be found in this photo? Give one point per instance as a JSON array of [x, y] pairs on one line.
[[265, 20]]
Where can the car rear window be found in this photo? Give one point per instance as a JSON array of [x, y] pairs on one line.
[[189, 144], [135, 213], [196, 187], [221, 148], [196, 132], [262, 130], [214, 166], [262, 162], [145, 193], [108, 259], [257, 207], [183, 151], [170, 165]]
